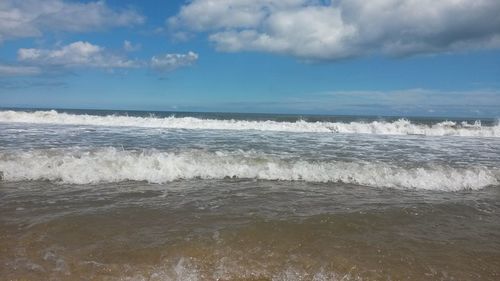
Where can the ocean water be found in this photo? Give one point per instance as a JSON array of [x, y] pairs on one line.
[[113, 195]]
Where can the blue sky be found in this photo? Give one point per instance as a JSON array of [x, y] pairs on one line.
[[379, 57]]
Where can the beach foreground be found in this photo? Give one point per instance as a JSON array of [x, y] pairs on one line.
[[246, 230]]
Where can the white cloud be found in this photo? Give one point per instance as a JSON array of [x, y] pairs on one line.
[[169, 62], [30, 18], [206, 14], [80, 54], [18, 70], [77, 54], [328, 30]]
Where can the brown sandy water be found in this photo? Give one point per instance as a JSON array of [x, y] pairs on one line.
[[246, 230]]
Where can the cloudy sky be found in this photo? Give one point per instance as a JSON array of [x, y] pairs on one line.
[[377, 57]]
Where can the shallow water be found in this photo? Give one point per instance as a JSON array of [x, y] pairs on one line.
[[246, 229], [102, 202]]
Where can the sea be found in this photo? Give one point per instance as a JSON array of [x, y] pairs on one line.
[[137, 195]]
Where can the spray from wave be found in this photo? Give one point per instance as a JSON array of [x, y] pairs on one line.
[[399, 127], [76, 166]]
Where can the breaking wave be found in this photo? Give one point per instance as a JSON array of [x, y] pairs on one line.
[[76, 166], [399, 127]]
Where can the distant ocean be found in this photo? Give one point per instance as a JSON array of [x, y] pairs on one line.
[[116, 195]]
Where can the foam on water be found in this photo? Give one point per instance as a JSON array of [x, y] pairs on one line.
[[399, 127], [76, 166]]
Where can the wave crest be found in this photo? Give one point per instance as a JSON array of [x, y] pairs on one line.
[[76, 166], [399, 127]]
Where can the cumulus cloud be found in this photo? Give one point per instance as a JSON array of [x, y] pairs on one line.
[[30, 18], [329, 30], [81, 54], [205, 14], [170, 62], [77, 54]]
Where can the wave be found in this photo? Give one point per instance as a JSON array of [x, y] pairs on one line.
[[77, 166], [399, 127]]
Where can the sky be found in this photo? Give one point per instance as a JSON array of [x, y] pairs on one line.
[[354, 57]]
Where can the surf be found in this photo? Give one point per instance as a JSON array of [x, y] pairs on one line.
[[109, 164], [398, 127]]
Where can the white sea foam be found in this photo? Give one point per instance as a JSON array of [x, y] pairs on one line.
[[399, 127], [112, 165]]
